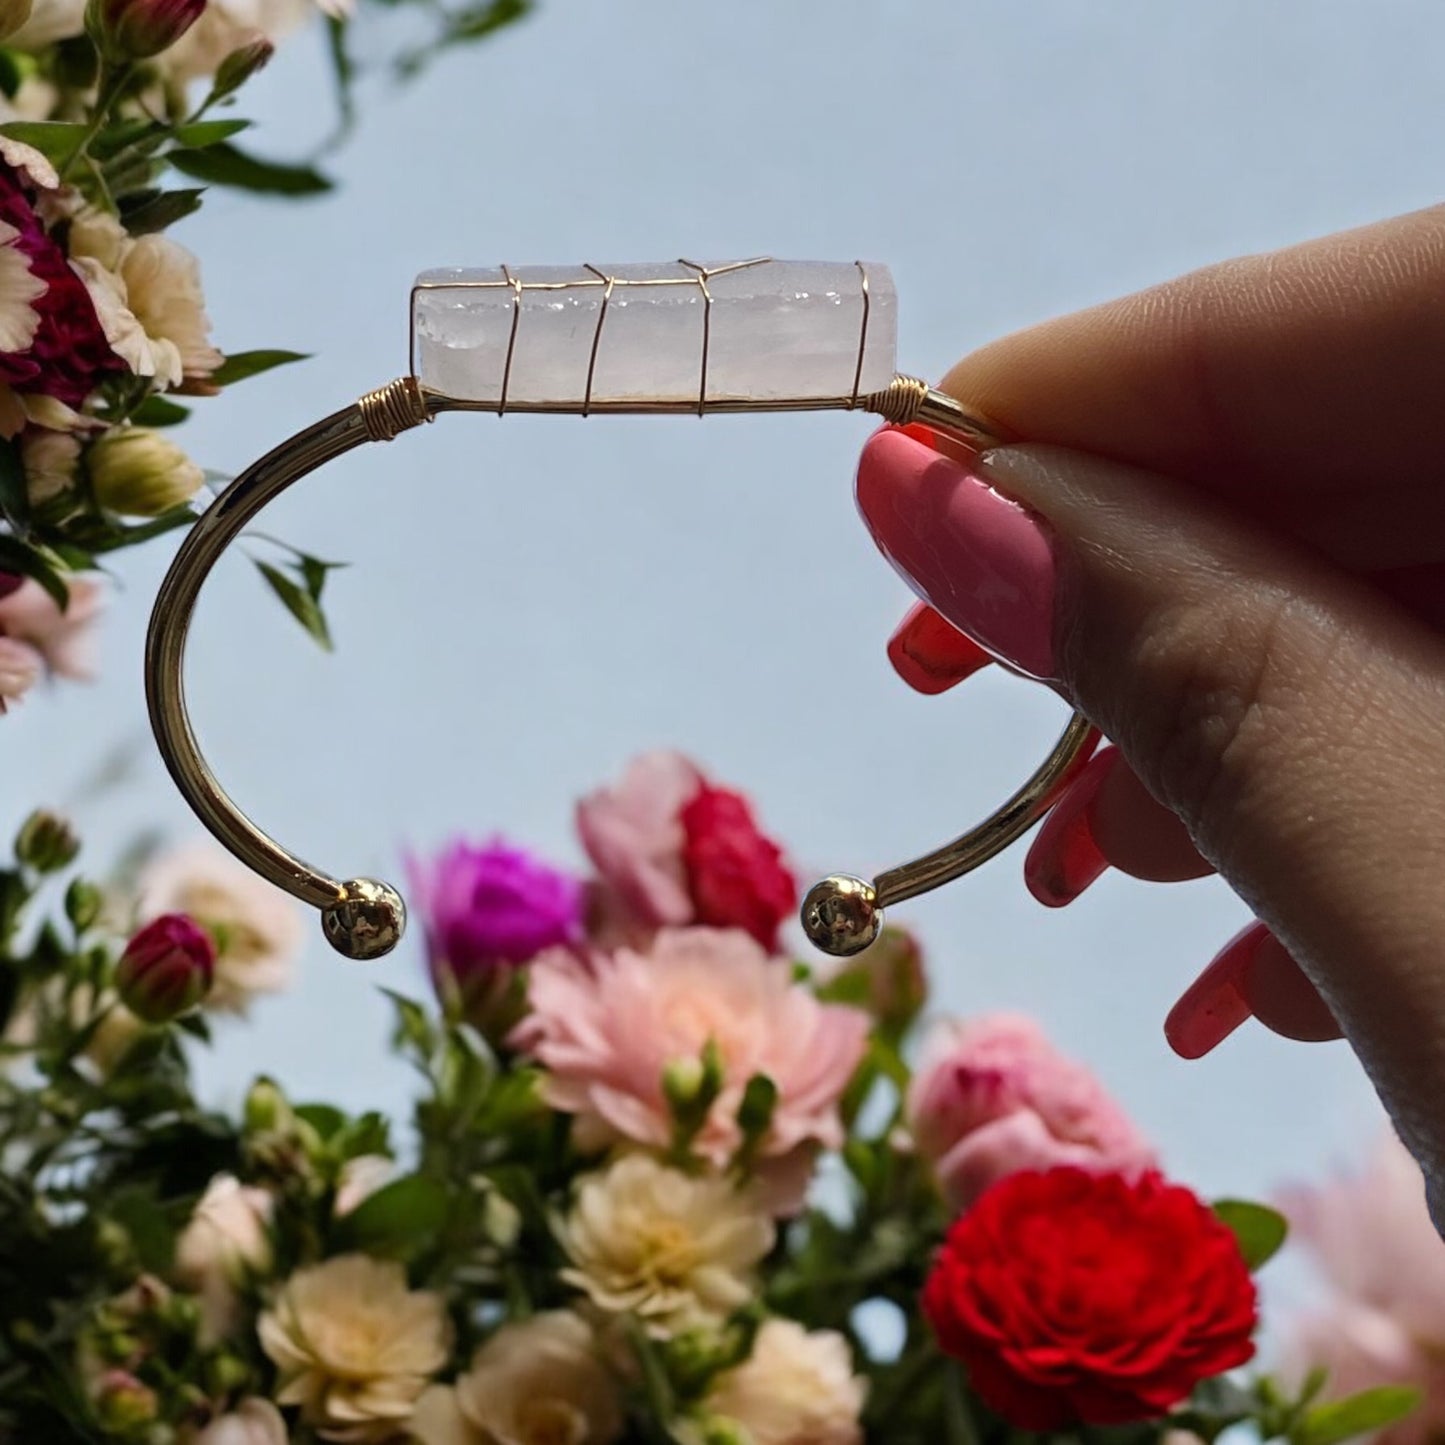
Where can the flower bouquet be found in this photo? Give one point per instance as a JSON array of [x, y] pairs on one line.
[[663, 1182]]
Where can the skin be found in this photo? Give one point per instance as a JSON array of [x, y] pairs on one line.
[[1243, 472]]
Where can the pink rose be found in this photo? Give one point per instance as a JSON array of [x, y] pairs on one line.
[[671, 849], [1383, 1319], [63, 639], [634, 836], [993, 1096], [606, 1029]]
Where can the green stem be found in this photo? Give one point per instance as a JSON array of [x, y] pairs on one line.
[[112, 82]]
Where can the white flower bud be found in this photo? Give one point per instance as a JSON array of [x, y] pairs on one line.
[[140, 473]]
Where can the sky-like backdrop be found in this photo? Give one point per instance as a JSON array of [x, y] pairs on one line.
[[531, 601]]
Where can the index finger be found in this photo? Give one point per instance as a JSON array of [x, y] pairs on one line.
[[1316, 370]]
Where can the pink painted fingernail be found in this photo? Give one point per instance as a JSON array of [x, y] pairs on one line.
[[1064, 859], [981, 560], [930, 654], [1214, 1005]]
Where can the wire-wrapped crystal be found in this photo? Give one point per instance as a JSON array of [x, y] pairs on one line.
[[663, 334]]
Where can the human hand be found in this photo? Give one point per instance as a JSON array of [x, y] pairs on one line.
[[1230, 555]]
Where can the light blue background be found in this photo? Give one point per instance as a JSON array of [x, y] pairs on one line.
[[533, 601]]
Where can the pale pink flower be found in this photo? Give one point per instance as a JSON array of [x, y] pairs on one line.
[[796, 1388], [20, 669], [992, 1096], [227, 1240], [252, 1422], [607, 1027], [634, 836], [1383, 1322], [64, 640]]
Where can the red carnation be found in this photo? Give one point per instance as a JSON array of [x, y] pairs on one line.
[[736, 876], [70, 354], [1084, 1298]]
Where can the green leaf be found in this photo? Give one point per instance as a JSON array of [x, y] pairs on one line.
[[149, 211], [343, 72], [159, 411], [326, 1119], [1259, 1229], [106, 536], [315, 571], [12, 73], [400, 1220], [298, 602], [413, 1026], [1357, 1415], [472, 23], [202, 134], [17, 556], [224, 165], [244, 364], [137, 133], [14, 496], [54, 139]]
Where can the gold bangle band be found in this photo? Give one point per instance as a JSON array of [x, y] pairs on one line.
[[364, 918]]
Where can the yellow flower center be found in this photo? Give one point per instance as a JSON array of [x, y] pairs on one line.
[[551, 1422]]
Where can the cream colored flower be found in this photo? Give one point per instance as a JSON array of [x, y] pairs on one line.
[[674, 1249], [228, 1237], [49, 21], [256, 928], [796, 1388], [20, 669], [147, 295], [227, 25], [252, 1422], [360, 1179], [50, 459], [13, 14], [20, 288], [140, 473], [355, 1347], [539, 1382]]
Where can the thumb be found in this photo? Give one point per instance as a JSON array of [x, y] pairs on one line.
[[1287, 713]]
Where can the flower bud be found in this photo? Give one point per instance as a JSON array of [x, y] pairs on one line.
[[691, 1087], [137, 29], [266, 1109], [45, 842], [123, 1403], [240, 65], [83, 902], [166, 969], [887, 979], [140, 473]]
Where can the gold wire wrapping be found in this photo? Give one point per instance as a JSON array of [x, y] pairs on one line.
[[394, 408]]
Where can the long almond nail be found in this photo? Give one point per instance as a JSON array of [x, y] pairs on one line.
[[980, 559], [1064, 859], [930, 654], [1215, 1004]]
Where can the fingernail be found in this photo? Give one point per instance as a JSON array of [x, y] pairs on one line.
[[1214, 1005], [980, 559], [930, 654], [1064, 859]]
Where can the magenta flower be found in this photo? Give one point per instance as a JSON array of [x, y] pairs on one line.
[[166, 969], [487, 910], [993, 1096]]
